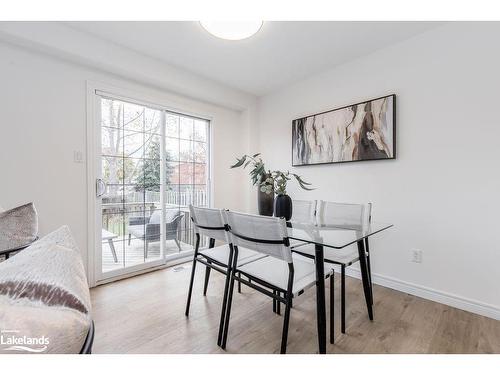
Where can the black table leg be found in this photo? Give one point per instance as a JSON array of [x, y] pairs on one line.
[[320, 298], [367, 249], [365, 277]]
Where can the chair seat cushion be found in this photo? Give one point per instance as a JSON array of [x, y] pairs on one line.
[[345, 256], [275, 272], [221, 254], [136, 230]]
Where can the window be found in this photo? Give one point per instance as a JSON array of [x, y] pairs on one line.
[[187, 165], [154, 163]]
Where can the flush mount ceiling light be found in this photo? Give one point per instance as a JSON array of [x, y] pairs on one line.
[[232, 30]]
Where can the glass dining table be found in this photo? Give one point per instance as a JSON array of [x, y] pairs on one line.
[[336, 237]]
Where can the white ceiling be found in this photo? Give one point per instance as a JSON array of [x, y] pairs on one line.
[[280, 54]]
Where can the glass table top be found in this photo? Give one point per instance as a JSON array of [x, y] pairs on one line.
[[335, 236]]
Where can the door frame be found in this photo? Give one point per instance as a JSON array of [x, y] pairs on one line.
[[93, 160]]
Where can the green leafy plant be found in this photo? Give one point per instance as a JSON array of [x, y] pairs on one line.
[[269, 181], [280, 181], [258, 172]]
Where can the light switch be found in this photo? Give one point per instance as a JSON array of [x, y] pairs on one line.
[[78, 156], [416, 256]]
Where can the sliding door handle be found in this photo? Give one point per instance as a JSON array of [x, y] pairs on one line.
[[100, 187]]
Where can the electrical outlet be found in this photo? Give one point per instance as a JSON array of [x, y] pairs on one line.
[[416, 256]]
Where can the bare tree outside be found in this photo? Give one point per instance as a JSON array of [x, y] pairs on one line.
[[132, 150]]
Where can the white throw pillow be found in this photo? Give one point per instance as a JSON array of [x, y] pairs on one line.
[[18, 226]]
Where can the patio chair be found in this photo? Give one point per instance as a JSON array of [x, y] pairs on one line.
[[148, 228]]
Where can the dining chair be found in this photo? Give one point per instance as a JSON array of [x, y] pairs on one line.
[[342, 215], [303, 212], [277, 271], [209, 222]]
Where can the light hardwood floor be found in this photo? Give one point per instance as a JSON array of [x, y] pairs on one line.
[[145, 314]]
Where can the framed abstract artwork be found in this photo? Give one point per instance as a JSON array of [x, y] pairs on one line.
[[362, 131]]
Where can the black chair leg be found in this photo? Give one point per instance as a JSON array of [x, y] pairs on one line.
[[239, 283], [278, 304], [342, 297], [193, 270], [274, 303], [228, 311], [332, 311], [286, 323], [207, 277], [224, 298]]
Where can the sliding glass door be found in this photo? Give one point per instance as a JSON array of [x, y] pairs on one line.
[[153, 164], [187, 169]]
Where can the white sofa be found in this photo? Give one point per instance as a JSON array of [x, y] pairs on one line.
[[44, 298]]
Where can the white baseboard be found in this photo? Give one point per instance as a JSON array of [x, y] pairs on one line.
[[449, 299]]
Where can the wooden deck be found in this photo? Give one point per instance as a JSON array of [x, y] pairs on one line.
[[133, 254]]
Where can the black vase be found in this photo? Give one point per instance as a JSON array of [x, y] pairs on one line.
[[265, 203], [283, 206]]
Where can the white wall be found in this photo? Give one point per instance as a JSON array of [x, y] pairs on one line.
[[442, 191], [65, 42], [43, 120]]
